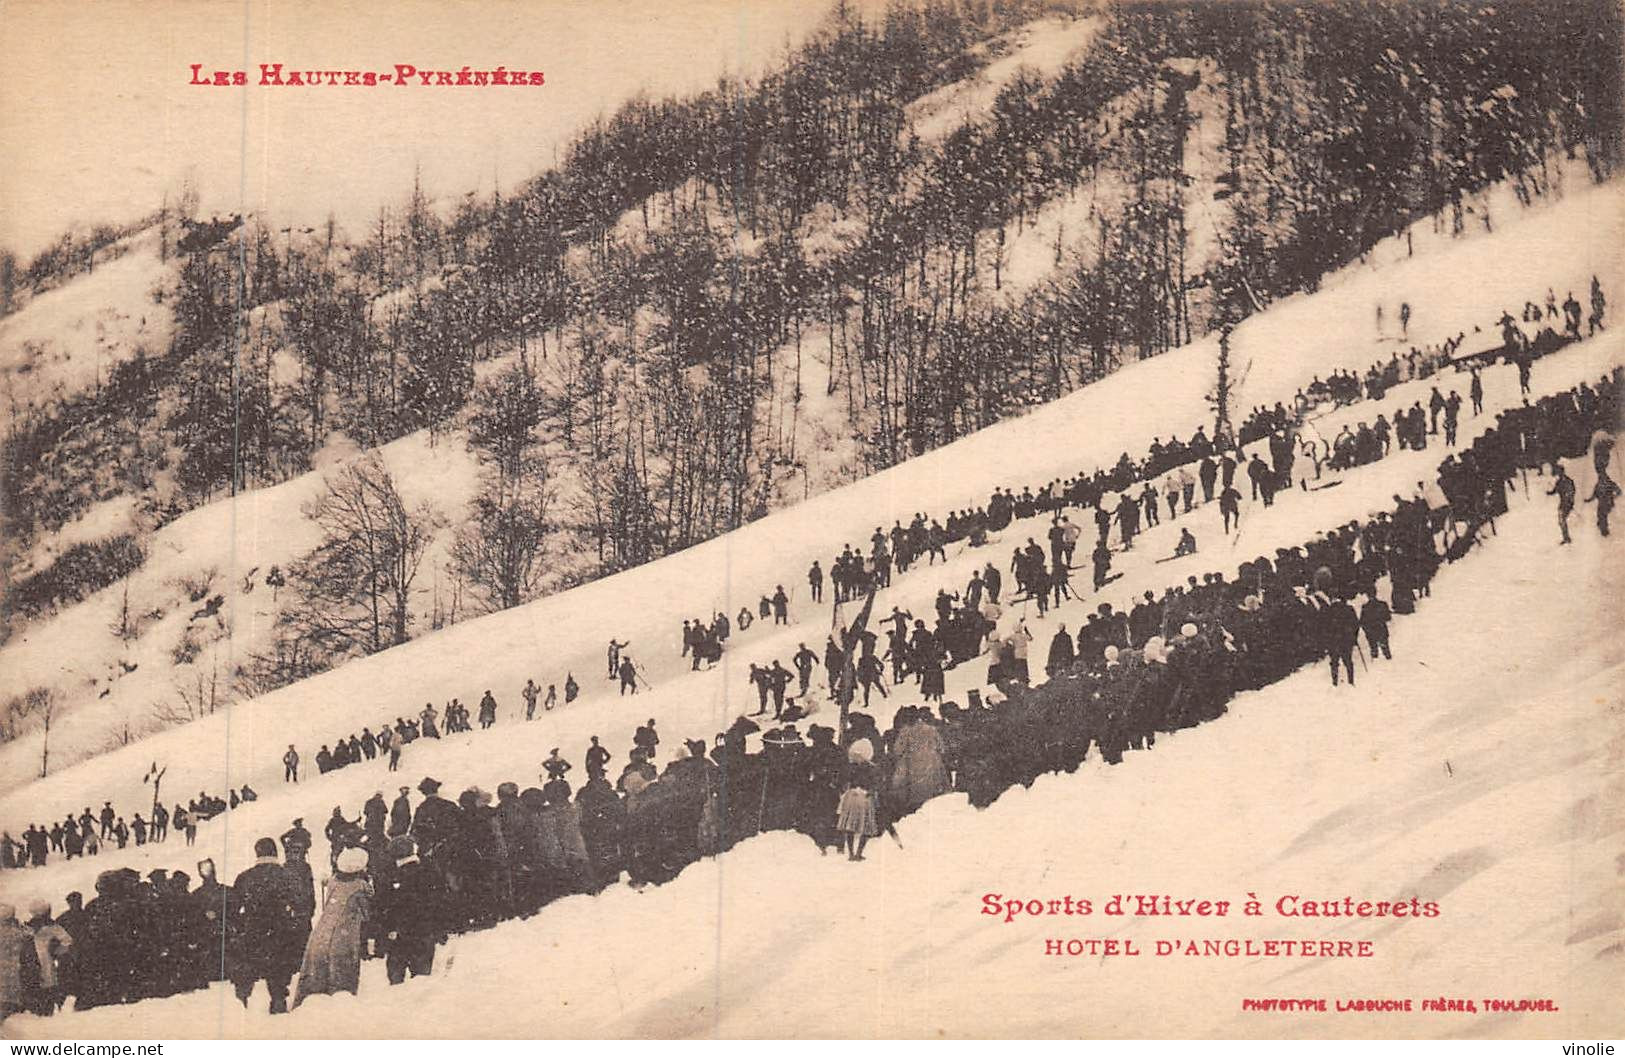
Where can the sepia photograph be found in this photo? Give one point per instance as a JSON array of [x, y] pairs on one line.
[[812, 520]]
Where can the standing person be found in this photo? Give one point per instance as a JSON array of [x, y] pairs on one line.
[[1374, 618], [919, 769], [185, 822], [1475, 392], [629, 676], [1435, 406], [856, 818], [571, 688], [781, 606], [290, 765], [1599, 305], [51, 945], [1128, 523], [332, 958], [804, 660], [1262, 480], [1452, 417], [267, 928], [1102, 559], [19, 964], [1563, 489], [1208, 472], [530, 694], [1604, 494], [647, 739], [815, 581], [615, 649], [400, 814], [1230, 507], [1571, 317], [409, 915], [1342, 626], [597, 759]]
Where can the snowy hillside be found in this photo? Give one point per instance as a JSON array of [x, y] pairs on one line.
[[1402, 786], [567, 633], [1448, 773], [68, 339], [231, 543], [1399, 787]]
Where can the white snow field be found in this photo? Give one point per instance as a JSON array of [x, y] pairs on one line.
[[1479, 769]]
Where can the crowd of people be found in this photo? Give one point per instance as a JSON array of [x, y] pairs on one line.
[[1171, 479], [87, 833]]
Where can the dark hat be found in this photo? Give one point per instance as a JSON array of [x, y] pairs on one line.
[[428, 786], [401, 846]]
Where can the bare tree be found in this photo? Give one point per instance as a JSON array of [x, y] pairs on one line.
[[500, 549], [356, 588], [41, 702]]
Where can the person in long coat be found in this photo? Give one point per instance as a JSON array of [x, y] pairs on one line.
[[332, 960], [563, 850], [19, 963], [602, 820], [268, 927], [918, 772]]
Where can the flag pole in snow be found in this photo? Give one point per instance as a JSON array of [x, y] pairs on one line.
[[846, 686], [155, 775]]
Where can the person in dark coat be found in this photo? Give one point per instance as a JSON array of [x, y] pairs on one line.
[[1374, 618], [400, 814], [1128, 520], [1230, 507], [1060, 653], [208, 917], [1604, 494], [268, 928], [597, 759], [409, 913], [1209, 474], [603, 817], [374, 813], [1563, 489], [1342, 635], [437, 828]]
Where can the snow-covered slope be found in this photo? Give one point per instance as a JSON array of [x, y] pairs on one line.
[[1479, 769], [68, 340], [1452, 285]]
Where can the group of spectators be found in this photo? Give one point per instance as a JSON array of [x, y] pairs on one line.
[[407, 875], [86, 833]]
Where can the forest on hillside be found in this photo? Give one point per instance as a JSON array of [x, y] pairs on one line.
[[640, 342]]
